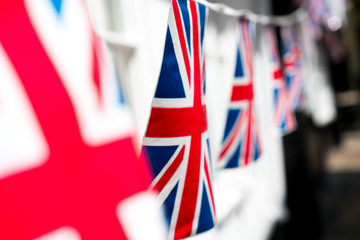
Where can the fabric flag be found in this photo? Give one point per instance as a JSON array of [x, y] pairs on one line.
[[241, 144], [319, 13], [325, 13], [271, 172], [320, 97], [67, 158], [330, 15], [283, 114], [176, 138], [292, 58]]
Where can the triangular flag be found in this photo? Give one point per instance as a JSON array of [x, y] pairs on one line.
[[176, 138], [241, 143]]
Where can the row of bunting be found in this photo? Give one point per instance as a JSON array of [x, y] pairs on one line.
[[176, 139], [66, 149]]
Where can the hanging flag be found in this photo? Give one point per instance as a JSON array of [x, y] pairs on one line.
[[272, 176], [292, 56], [176, 139], [66, 149], [320, 97], [241, 144], [284, 117]]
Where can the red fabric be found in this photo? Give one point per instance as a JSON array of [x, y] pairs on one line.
[[79, 185]]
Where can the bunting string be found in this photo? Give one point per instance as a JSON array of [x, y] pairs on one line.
[[297, 16]]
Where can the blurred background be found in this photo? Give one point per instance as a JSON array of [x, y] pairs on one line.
[[322, 163]]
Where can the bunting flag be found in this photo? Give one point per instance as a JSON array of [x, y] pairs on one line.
[[176, 139], [66, 149], [283, 114], [240, 144], [292, 56], [320, 97]]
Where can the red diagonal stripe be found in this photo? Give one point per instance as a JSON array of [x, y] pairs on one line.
[[248, 48], [234, 132], [95, 67], [170, 171], [182, 39], [248, 135]]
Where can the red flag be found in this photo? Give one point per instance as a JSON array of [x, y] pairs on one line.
[[67, 155]]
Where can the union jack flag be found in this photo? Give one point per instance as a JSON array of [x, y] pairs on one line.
[[176, 139], [284, 117], [65, 131], [292, 66], [240, 144]]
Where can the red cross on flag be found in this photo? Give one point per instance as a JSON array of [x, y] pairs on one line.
[[284, 116], [67, 159]]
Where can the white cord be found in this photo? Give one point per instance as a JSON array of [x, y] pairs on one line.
[[297, 16]]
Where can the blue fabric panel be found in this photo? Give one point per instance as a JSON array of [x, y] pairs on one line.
[[283, 125], [288, 81], [121, 98], [256, 150], [234, 160], [202, 13], [169, 203], [239, 70], [57, 5], [232, 116], [186, 20], [159, 156], [276, 93], [205, 219], [170, 83]]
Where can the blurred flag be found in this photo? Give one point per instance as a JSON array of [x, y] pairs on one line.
[[293, 67], [271, 176], [283, 114], [66, 151], [176, 139], [320, 97], [241, 144], [319, 13], [328, 15]]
